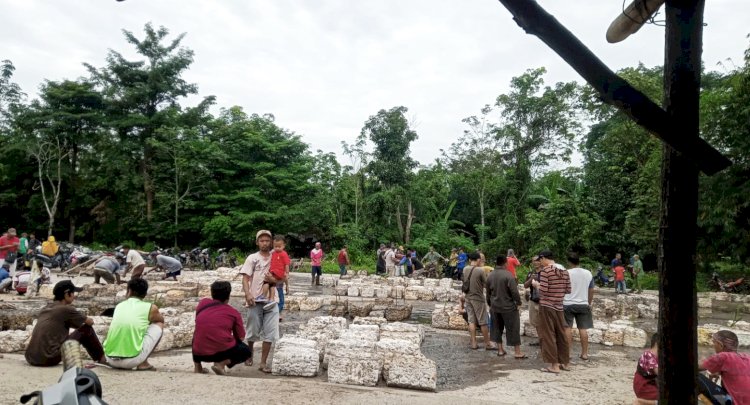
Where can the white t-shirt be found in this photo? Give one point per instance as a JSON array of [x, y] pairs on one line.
[[580, 282], [257, 266], [134, 259]]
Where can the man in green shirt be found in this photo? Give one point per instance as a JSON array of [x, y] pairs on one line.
[[637, 270], [135, 331], [431, 259]]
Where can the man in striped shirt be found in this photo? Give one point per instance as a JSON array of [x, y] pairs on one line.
[[554, 283]]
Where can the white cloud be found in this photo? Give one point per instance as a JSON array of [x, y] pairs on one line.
[[322, 68]]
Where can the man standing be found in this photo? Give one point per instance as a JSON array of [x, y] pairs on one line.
[[316, 260], [134, 261], [170, 265], [135, 331], [533, 275], [431, 259], [475, 302], [461, 262], [553, 283], [108, 268], [9, 244], [380, 264], [577, 304], [390, 262], [512, 262], [617, 261], [262, 324], [23, 247], [637, 270], [505, 302], [343, 260], [53, 326]]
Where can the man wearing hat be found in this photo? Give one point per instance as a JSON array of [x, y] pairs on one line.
[[53, 325], [262, 324]]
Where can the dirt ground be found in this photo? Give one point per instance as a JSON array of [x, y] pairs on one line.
[[463, 375]]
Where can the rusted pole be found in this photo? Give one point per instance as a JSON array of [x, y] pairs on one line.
[[678, 317]]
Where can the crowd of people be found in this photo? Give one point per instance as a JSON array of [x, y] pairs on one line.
[[559, 297]]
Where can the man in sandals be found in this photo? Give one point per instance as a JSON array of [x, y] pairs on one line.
[[505, 303], [135, 331], [475, 302], [553, 284], [262, 320], [577, 304]]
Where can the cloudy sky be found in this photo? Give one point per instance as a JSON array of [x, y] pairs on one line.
[[323, 67]]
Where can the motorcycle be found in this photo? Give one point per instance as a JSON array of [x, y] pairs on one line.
[[602, 279], [224, 259], [737, 286]]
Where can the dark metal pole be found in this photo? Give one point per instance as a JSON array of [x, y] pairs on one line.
[[678, 318]]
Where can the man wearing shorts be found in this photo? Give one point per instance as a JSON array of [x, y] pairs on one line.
[[316, 263], [475, 302], [262, 324], [577, 304]]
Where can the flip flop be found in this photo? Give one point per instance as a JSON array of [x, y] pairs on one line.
[[583, 358], [565, 368], [218, 371], [149, 368], [547, 370], [501, 354], [249, 362], [521, 357], [265, 369], [475, 348]]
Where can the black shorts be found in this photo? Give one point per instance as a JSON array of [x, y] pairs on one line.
[[236, 355], [581, 314], [509, 321]]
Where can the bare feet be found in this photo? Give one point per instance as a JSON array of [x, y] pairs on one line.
[[218, 369]]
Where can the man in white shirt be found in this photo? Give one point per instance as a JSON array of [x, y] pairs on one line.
[[577, 304], [134, 261]]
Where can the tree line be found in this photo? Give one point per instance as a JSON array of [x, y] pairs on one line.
[[116, 155]]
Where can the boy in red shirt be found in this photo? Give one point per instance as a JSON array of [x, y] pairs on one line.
[[620, 279], [732, 367], [279, 269]]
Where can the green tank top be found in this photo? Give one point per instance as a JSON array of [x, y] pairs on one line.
[[128, 327]]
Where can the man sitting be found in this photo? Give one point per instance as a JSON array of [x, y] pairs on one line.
[[219, 331], [53, 327], [731, 366], [135, 330]]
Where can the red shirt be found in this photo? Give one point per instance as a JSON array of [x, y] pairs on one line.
[[735, 374], [619, 273], [278, 262], [511, 265], [554, 283], [218, 327], [8, 240], [342, 257]]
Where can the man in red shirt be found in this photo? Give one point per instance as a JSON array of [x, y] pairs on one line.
[[219, 332], [343, 260], [9, 244], [732, 367], [553, 284], [512, 262]]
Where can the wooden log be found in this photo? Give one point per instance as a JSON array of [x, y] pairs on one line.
[[678, 314], [84, 264], [613, 89]]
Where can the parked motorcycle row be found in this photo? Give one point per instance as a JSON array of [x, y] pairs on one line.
[[198, 258]]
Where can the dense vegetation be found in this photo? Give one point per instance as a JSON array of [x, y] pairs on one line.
[[116, 156]]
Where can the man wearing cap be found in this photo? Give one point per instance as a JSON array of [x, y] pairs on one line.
[[53, 326], [262, 324], [554, 283], [135, 331]]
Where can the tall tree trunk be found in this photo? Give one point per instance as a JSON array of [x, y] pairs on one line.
[[481, 215], [72, 190], [409, 218], [399, 222]]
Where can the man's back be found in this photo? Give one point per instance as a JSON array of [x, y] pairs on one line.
[[477, 279], [503, 291], [580, 282], [128, 328]]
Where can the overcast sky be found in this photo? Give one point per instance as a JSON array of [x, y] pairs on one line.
[[323, 67]]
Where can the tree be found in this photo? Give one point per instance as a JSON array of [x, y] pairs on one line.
[[49, 155], [391, 164], [140, 93]]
